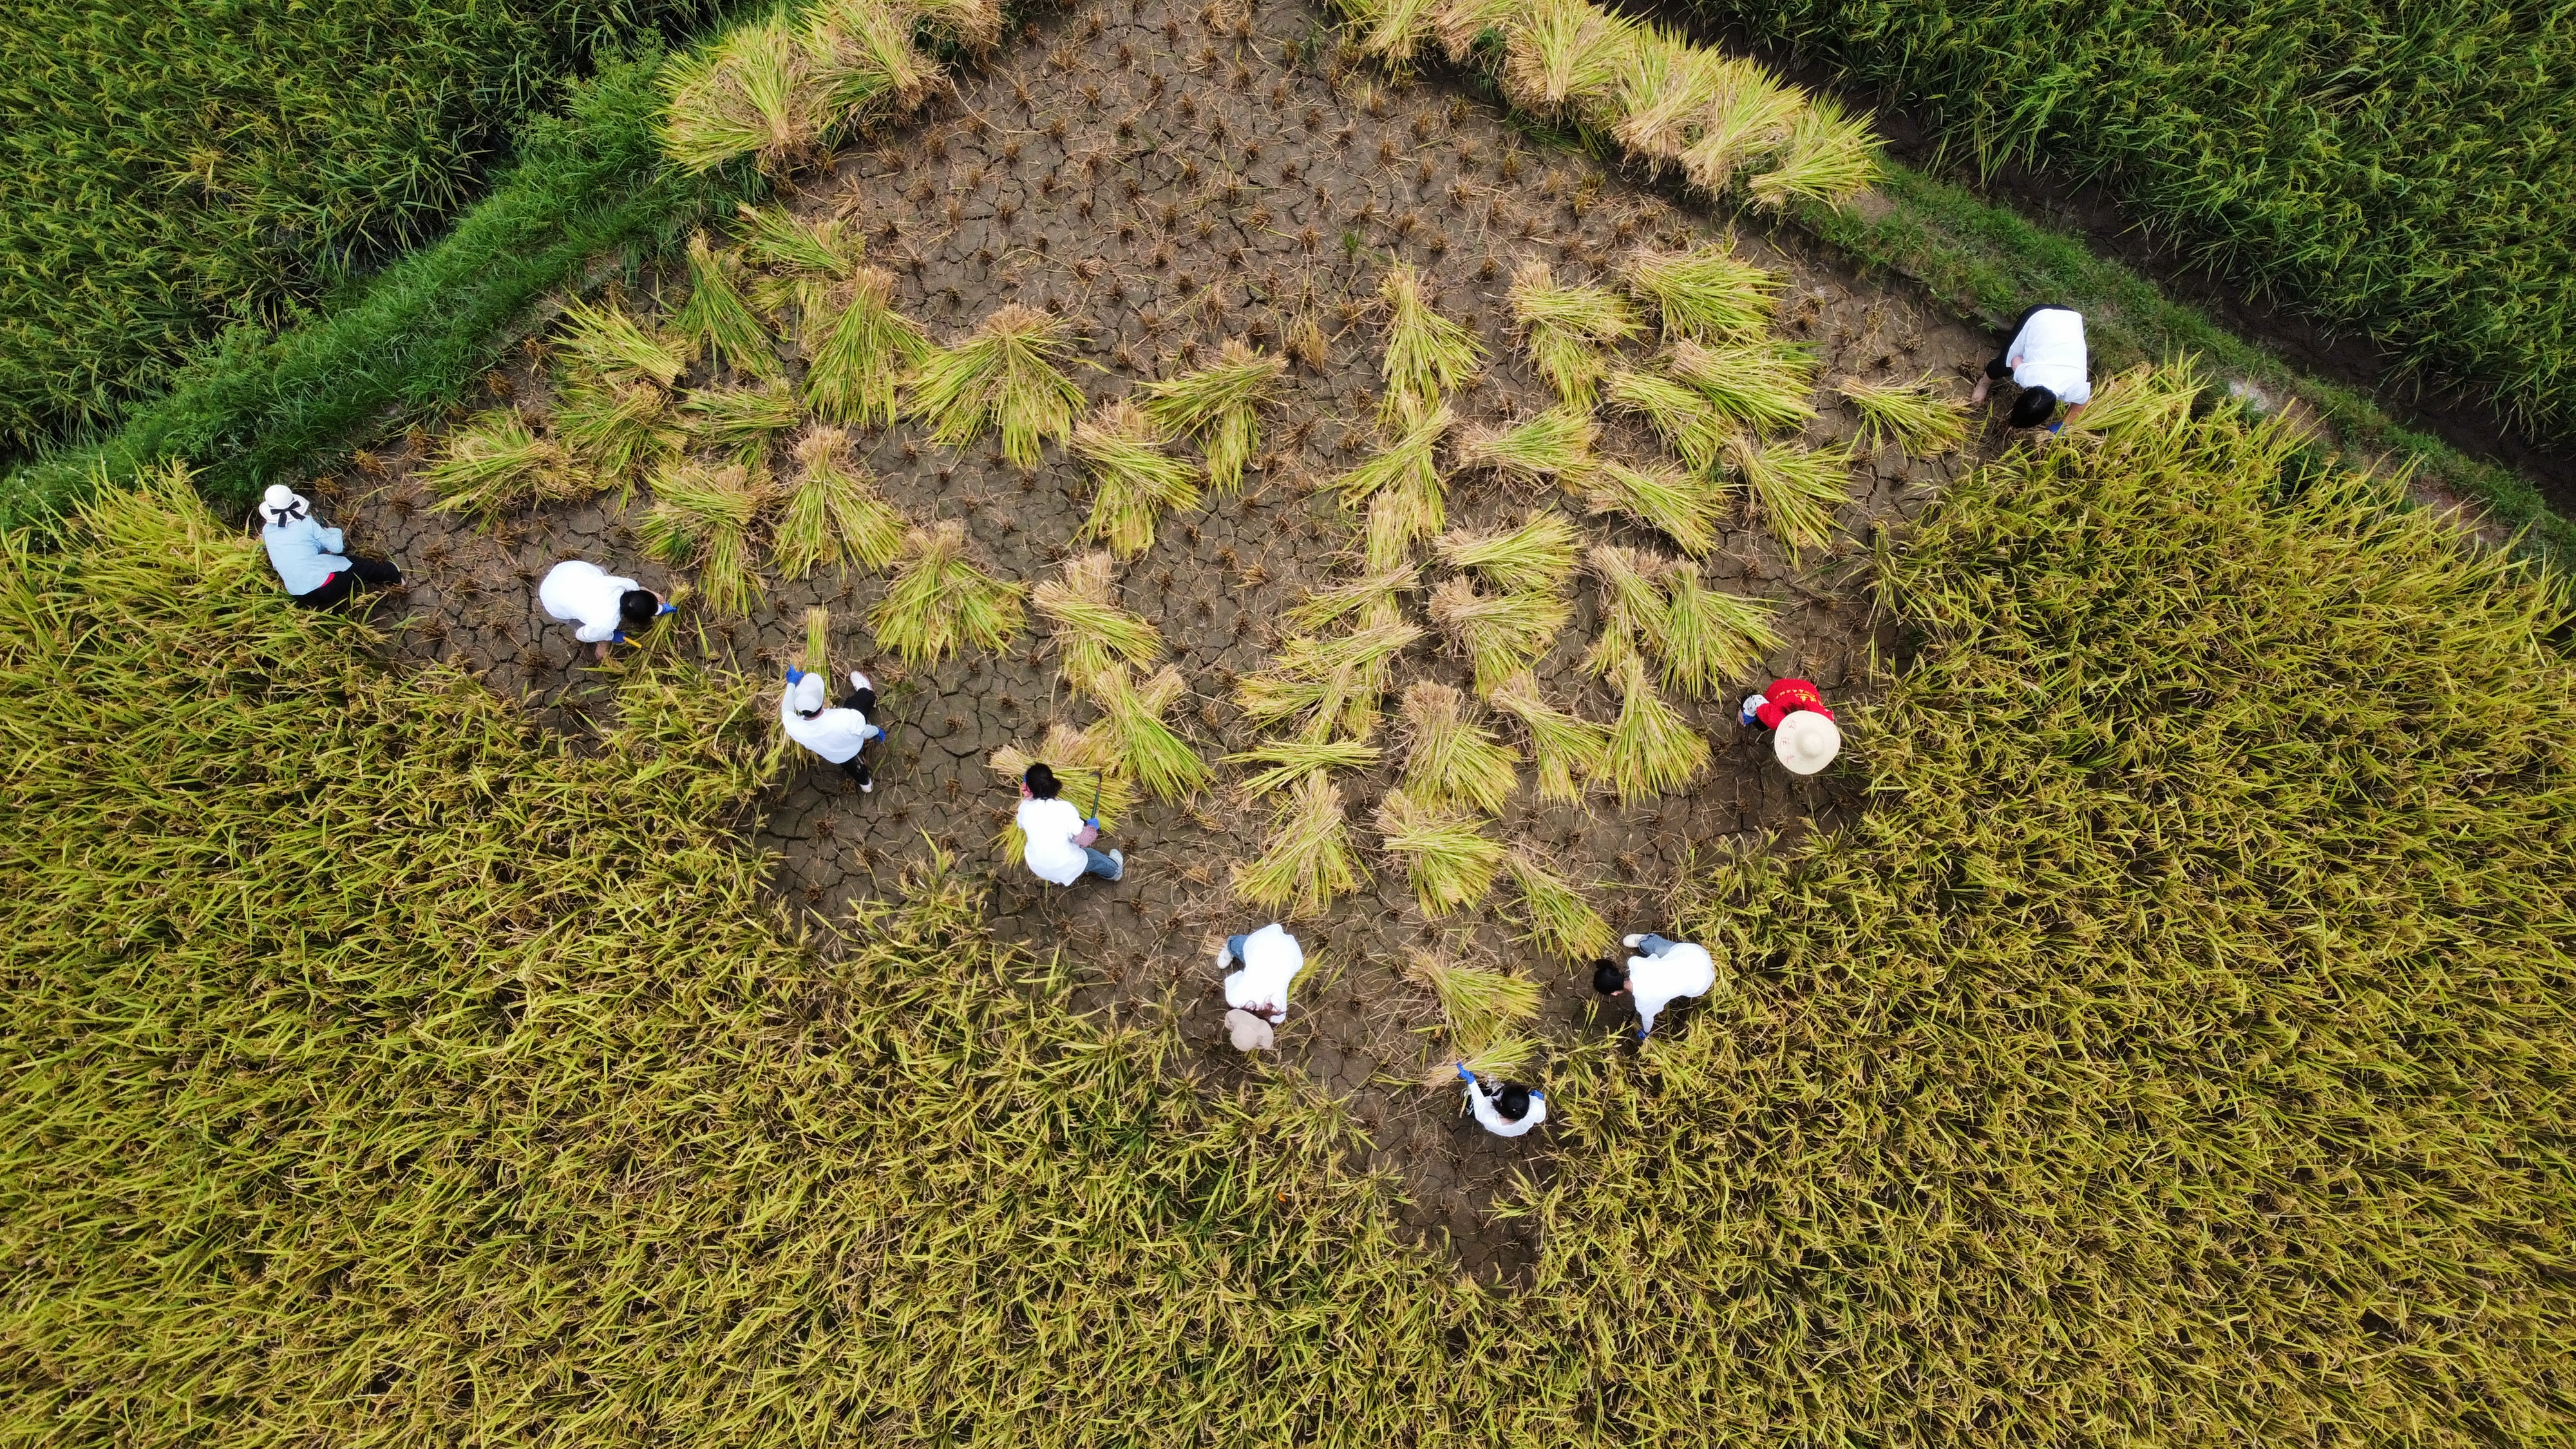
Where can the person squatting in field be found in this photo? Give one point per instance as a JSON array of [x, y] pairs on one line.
[[1256, 994], [307, 556], [839, 733], [1662, 972], [602, 610], [2046, 358], [1059, 836], [1803, 734], [1510, 1111]]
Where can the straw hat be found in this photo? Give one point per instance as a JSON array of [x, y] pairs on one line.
[[1806, 742], [806, 695], [1251, 1033]]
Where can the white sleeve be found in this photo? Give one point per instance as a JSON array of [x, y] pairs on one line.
[[1483, 1107], [596, 633], [2020, 340]]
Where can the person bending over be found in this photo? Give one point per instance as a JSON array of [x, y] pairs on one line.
[[307, 556], [837, 734], [2046, 358], [603, 610], [1256, 994], [1662, 972], [1803, 733], [1059, 850], [1509, 1112]]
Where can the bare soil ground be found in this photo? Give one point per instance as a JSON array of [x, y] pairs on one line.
[[1172, 176]]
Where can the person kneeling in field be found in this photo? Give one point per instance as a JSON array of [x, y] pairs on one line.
[[307, 556], [1803, 733], [1662, 972], [2047, 358], [1509, 1112], [1059, 850], [1256, 995], [837, 734], [602, 610]]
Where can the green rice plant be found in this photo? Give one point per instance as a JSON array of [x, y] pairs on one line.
[[778, 240], [1913, 415], [833, 513], [2143, 398], [818, 641], [1462, 25], [749, 94], [1479, 1002], [940, 601], [1707, 639], [1290, 761], [863, 64], [617, 432], [1500, 634], [1755, 386], [1131, 727], [857, 361], [1680, 415], [493, 462], [1707, 294], [1653, 749], [1369, 600], [1309, 862], [1092, 634], [1449, 860], [606, 344], [1631, 606], [1007, 373], [1087, 767], [1562, 60], [1743, 127], [715, 322], [1796, 491], [1684, 506], [1570, 331], [1554, 444], [1559, 920], [1220, 406], [1428, 356], [1391, 31], [1410, 464], [1132, 479], [705, 516], [1450, 760], [1334, 682], [1664, 88], [741, 423], [1828, 156], [1535, 557], [1568, 750]]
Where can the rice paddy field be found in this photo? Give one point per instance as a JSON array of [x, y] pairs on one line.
[[2152, 1029]]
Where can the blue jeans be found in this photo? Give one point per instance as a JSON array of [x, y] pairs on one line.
[[1654, 945], [1234, 947], [1101, 865]]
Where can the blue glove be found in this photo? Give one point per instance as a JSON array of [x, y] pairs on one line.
[[1465, 1075], [794, 674], [2053, 427], [666, 609]]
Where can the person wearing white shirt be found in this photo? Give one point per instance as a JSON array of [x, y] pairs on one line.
[[1661, 973], [602, 609], [2046, 358], [1256, 995], [1510, 1111], [837, 734], [1059, 840], [307, 557]]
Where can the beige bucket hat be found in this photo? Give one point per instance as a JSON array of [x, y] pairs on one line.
[[1806, 742]]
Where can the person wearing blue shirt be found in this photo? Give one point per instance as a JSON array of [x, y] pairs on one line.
[[307, 556]]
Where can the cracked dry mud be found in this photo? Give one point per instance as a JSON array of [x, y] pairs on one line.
[[1171, 176]]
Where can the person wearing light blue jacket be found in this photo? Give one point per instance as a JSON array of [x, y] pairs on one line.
[[307, 556]]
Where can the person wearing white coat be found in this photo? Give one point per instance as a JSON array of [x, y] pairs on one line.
[[1509, 1111], [839, 733], [1662, 972], [602, 609], [1256, 994], [307, 557]]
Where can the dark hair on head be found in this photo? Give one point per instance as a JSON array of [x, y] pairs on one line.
[[1512, 1101], [1608, 976], [2034, 408], [1041, 781], [637, 607]]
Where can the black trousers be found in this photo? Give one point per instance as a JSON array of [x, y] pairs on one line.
[[362, 573], [1999, 369], [865, 702]]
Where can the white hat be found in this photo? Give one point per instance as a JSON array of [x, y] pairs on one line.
[[1806, 742], [1251, 1033], [805, 696], [281, 503]]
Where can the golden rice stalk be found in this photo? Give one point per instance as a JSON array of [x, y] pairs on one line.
[[1450, 861], [833, 513], [1131, 725], [1828, 156], [1663, 90], [1396, 518], [1310, 862], [1501, 634], [939, 601], [1570, 331], [1559, 919], [776, 239], [1653, 750], [1707, 639], [715, 321], [748, 94], [858, 359], [1684, 506], [1913, 415], [1369, 599], [1132, 480], [1427, 356], [1707, 294], [1568, 750], [1410, 463], [494, 462], [741, 422], [1092, 634], [613, 348], [616, 431], [1506, 1055], [1335, 682], [1391, 31], [973, 26], [1631, 604], [1795, 490], [1448, 760], [1220, 406], [1004, 373], [1290, 761], [1556, 443], [818, 641], [1088, 771], [1754, 385], [1747, 122], [1478, 1001], [1562, 61], [704, 515], [726, 579], [2145, 400], [863, 62], [1463, 25], [1684, 419], [1537, 557]]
